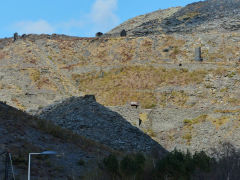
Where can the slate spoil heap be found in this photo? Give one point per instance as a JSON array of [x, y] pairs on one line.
[[86, 117], [199, 17]]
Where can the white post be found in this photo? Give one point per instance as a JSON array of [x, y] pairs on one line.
[[29, 164], [29, 159]]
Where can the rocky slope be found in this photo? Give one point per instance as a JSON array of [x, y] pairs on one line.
[[204, 16], [184, 103], [38, 70], [144, 24], [21, 134], [86, 117]]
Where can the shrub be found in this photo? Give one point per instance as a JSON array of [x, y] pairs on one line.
[[202, 161], [140, 162], [132, 165], [128, 166], [179, 165], [81, 162], [111, 164]]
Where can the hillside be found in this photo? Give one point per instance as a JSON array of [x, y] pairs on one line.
[[200, 17], [146, 24], [21, 134], [84, 116], [39, 70], [184, 103]]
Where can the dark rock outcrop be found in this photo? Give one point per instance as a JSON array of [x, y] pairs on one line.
[[21, 134], [86, 117]]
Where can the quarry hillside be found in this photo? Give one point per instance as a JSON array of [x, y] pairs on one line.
[[203, 16], [22, 134], [184, 103]]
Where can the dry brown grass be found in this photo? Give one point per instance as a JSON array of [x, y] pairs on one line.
[[218, 122], [188, 137], [232, 100], [199, 119], [18, 104], [228, 110], [2, 55], [178, 98], [220, 71], [34, 74], [72, 66], [187, 16], [188, 126], [135, 83], [46, 83]]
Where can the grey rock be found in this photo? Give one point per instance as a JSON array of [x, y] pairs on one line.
[[88, 118]]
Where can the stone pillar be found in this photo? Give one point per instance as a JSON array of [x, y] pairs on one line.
[[15, 36], [198, 54]]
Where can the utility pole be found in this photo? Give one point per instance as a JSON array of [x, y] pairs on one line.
[[8, 172], [7, 160]]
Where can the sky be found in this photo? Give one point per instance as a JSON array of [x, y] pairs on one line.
[[73, 17]]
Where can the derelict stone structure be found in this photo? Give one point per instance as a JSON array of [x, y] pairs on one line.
[[15, 36], [99, 34], [123, 33], [198, 54]]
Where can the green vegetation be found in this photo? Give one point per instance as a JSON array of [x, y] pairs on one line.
[[81, 162], [131, 165], [175, 165], [179, 165]]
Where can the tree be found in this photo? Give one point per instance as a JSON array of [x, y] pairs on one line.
[[111, 165]]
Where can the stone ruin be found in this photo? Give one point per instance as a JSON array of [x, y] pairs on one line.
[[198, 54], [134, 104], [15, 37], [24, 36], [99, 34], [123, 33]]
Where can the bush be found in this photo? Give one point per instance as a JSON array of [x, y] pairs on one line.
[[202, 161], [178, 165], [111, 164], [175, 165], [128, 166], [81, 162], [132, 165]]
